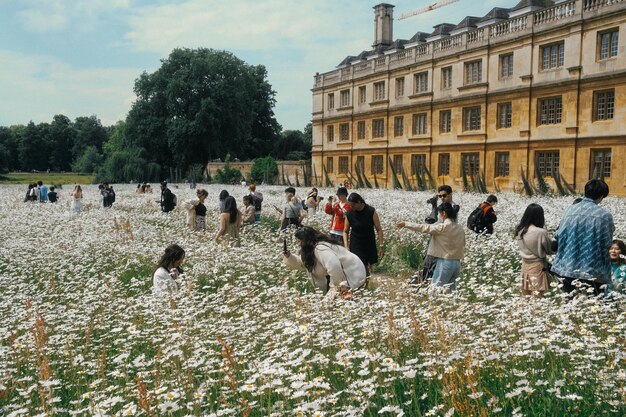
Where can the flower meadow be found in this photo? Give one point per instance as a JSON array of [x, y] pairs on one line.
[[82, 335]]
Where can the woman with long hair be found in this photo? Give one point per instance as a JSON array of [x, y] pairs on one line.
[[167, 271], [77, 199], [358, 232], [230, 221], [329, 265], [248, 213], [447, 245], [223, 195], [617, 254], [535, 245], [196, 211]]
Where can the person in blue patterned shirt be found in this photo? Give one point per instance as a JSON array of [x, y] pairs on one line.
[[584, 238]]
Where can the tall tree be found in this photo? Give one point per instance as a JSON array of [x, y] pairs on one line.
[[61, 140], [89, 132]]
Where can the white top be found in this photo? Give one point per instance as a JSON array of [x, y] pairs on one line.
[[535, 245], [335, 261], [163, 283]]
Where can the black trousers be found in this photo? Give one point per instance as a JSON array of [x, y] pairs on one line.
[[572, 284]]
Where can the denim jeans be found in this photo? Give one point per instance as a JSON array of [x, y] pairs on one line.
[[446, 273]]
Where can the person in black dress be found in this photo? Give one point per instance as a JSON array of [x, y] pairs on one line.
[[358, 232]]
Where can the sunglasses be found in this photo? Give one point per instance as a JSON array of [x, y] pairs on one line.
[[442, 195]]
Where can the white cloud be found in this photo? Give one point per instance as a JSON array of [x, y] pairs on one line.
[[44, 86]]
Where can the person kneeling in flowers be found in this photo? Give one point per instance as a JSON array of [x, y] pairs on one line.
[[331, 267], [447, 245], [167, 271]]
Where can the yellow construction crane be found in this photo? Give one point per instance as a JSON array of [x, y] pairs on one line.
[[426, 9]]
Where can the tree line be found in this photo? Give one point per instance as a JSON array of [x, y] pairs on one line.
[[199, 106]]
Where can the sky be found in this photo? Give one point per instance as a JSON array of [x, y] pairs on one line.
[[81, 57]]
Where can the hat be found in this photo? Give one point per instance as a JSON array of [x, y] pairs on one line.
[[342, 191]]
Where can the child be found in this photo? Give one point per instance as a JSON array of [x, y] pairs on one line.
[[52, 195]]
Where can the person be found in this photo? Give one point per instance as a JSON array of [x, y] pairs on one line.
[[52, 195], [108, 195], [331, 267], [139, 189], [168, 199], [148, 188], [358, 232], [447, 245], [196, 211], [43, 192], [444, 192], [34, 192], [29, 192], [248, 213], [337, 211], [534, 244], [483, 217], [617, 254], [77, 197], [584, 238], [291, 212], [312, 202], [167, 271], [230, 221], [257, 201], [223, 195]]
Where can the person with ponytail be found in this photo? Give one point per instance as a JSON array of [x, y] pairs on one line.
[[447, 245], [167, 271], [331, 267]]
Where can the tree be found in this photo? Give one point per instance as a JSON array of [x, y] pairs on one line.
[[89, 132], [8, 150], [32, 147], [228, 175], [200, 105], [89, 161], [61, 139], [264, 170]]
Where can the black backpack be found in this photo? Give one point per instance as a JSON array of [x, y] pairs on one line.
[[475, 221], [257, 203]]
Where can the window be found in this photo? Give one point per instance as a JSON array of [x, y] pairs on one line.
[[607, 42], [379, 91], [473, 72], [505, 111], [506, 66], [502, 164], [547, 162], [400, 87], [360, 130], [444, 164], [343, 164], [378, 128], [552, 56], [471, 118], [360, 163], [329, 164], [420, 126], [603, 105], [421, 82], [446, 78], [418, 163], [330, 133], [398, 163], [600, 163], [344, 98], [445, 121], [362, 94], [377, 164], [471, 163], [550, 110], [331, 101], [344, 131], [398, 126]]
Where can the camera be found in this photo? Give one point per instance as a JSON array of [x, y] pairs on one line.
[[432, 201], [432, 217]]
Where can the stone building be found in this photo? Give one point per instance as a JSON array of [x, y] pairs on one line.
[[541, 83]]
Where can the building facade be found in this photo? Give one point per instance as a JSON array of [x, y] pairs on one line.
[[538, 87]]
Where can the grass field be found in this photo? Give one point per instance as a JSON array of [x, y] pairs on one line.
[[53, 178], [82, 335]]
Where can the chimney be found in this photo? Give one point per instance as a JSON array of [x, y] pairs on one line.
[[383, 18]]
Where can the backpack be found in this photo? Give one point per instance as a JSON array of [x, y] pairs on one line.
[[174, 200], [257, 203], [304, 206], [112, 195], [476, 219]]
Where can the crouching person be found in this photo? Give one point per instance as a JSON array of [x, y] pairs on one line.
[[331, 267]]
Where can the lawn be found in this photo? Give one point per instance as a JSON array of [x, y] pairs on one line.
[[82, 335], [52, 178]]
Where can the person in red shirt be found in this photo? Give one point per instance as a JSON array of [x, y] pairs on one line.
[[337, 210]]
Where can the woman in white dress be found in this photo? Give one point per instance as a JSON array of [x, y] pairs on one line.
[[331, 267], [167, 271], [77, 199]]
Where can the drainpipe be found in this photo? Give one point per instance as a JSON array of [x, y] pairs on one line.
[[578, 87]]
